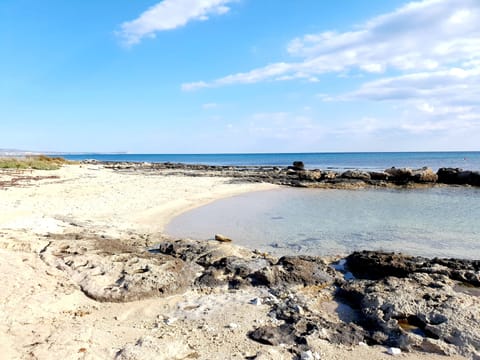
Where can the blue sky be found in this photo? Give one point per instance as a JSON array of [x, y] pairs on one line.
[[191, 76]]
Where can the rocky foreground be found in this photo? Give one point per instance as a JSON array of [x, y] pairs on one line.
[[298, 176], [402, 302]]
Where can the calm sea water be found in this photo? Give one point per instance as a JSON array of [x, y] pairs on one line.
[[334, 161], [429, 222]]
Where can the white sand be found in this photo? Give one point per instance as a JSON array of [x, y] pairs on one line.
[[44, 315]]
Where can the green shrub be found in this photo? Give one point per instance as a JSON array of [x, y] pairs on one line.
[[37, 162]]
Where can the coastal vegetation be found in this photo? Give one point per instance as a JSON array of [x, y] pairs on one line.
[[36, 162]]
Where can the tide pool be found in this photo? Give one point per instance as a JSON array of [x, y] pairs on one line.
[[439, 221]]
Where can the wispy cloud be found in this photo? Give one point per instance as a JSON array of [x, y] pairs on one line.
[[420, 36], [168, 15]]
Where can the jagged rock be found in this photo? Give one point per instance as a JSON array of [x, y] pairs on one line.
[[405, 294], [424, 175], [378, 265], [274, 335], [294, 270]]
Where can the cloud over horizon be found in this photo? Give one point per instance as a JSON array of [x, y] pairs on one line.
[[169, 15]]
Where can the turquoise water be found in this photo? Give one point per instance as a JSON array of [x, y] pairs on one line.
[[334, 161], [441, 221]]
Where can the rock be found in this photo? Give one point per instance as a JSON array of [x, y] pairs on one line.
[[313, 175], [298, 270], [424, 175], [399, 176], [107, 270], [256, 301], [309, 355], [298, 165], [449, 175], [330, 175], [170, 321], [233, 326], [381, 176], [270, 335], [222, 238], [394, 351], [356, 174]]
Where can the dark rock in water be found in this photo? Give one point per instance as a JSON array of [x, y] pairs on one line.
[[449, 175], [458, 176], [379, 265], [356, 174], [298, 165], [376, 265], [399, 176], [380, 176]]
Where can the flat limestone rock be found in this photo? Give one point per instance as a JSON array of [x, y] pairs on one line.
[[108, 271]]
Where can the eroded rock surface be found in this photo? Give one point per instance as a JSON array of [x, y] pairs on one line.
[[107, 270]]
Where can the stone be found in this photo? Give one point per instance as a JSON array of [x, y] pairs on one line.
[[298, 165], [299, 270], [222, 238], [399, 176], [424, 175], [107, 270], [256, 301], [394, 351], [356, 174], [271, 335]]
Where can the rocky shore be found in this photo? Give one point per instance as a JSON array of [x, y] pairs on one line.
[[397, 301], [298, 176]]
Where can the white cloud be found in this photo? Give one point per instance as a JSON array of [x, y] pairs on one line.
[[420, 36], [168, 15]]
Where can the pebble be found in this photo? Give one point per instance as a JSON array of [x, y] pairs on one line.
[[309, 355], [394, 351], [257, 301], [170, 321], [233, 326]]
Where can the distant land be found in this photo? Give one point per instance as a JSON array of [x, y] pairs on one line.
[[17, 152]]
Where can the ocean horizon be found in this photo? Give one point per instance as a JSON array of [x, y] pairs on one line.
[[469, 160]]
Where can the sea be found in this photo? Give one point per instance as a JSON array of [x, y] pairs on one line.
[[326, 161], [432, 222]]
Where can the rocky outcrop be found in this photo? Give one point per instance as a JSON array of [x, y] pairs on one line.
[[298, 176], [416, 303], [458, 176], [390, 299]]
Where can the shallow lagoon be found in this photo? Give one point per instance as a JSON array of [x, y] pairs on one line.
[[439, 221]]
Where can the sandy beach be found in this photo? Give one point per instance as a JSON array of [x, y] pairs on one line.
[[46, 311]]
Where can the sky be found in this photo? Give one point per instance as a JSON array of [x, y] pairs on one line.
[[239, 76]]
